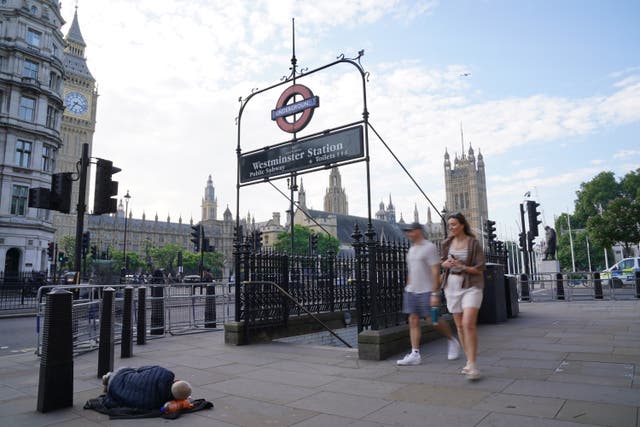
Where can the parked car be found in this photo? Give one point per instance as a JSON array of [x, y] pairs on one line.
[[191, 278], [69, 278], [621, 273]]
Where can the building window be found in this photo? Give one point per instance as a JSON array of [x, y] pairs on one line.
[[30, 69], [27, 108], [23, 153], [52, 117], [33, 38], [48, 158], [19, 198], [34, 10]]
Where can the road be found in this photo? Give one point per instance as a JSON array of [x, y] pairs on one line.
[[17, 335]]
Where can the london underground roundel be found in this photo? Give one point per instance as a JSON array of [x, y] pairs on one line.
[[301, 110]]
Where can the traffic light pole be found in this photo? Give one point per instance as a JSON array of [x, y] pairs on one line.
[[524, 247], [82, 206]]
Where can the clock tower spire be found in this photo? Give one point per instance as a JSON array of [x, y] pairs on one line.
[[80, 96]]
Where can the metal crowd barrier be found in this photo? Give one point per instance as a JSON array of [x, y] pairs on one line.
[[174, 309], [575, 286]]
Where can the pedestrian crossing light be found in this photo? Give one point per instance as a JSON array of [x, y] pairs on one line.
[[490, 229], [532, 212], [105, 188], [50, 249], [196, 235]]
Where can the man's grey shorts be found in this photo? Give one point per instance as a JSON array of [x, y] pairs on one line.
[[420, 304]]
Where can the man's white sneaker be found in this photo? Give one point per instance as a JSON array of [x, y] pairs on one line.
[[454, 349], [412, 358]]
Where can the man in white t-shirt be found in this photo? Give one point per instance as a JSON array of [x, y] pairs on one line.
[[422, 292]]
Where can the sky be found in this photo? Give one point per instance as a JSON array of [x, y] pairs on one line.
[[548, 91]]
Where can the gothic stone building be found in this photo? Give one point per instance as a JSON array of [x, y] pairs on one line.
[[466, 188]]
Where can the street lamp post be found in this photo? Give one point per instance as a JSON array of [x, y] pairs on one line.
[[126, 217]]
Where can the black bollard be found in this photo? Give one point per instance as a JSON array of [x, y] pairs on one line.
[[55, 384], [126, 341], [157, 310], [524, 288], [597, 286], [210, 306], [559, 286], [637, 284], [141, 328], [106, 347]]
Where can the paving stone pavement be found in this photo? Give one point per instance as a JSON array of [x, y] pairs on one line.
[[559, 364]]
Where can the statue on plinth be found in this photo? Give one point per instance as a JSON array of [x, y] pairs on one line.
[[550, 238]]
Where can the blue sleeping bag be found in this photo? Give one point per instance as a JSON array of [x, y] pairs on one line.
[[147, 387]]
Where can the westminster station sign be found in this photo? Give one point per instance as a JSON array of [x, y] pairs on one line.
[[333, 148]]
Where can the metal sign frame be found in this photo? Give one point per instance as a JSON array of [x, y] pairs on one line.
[[291, 80]]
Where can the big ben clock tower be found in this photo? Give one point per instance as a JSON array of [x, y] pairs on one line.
[[78, 121]]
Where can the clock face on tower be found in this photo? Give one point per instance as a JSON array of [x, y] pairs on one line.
[[76, 103]]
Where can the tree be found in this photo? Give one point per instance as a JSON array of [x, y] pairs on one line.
[[619, 223], [326, 242], [593, 196], [630, 185]]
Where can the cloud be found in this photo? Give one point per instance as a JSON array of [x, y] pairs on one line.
[[624, 154], [170, 73]]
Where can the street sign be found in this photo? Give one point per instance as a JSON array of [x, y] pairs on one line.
[[332, 148], [306, 106]]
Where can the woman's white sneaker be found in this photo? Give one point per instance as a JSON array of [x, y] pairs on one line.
[[454, 349], [412, 358]]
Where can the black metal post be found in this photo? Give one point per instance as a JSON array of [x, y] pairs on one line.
[[210, 306], [55, 383], [357, 247], [559, 286], [84, 165], [126, 343], [597, 286], [372, 279], [141, 328], [524, 288], [637, 284], [524, 248], [106, 348]]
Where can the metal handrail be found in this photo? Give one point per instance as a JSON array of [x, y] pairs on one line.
[[288, 295]]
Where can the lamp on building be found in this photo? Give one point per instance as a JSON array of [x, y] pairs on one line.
[[126, 217]]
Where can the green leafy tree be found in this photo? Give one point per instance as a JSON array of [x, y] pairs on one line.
[[136, 264], [580, 239], [326, 242], [619, 223], [630, 185], [593, 196]]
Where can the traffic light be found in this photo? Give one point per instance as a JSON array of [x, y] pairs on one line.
[[105, 188], [196, 235], [94, 252], [60, 195], [523, 241], [206, 246], [313, 242], [50, 250], [179, 259], [532, 212], [61, 257], [490, 229], [530, 238], [86, 242], [39, 198]]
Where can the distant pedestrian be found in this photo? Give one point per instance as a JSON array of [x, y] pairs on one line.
[[421, 292], [463, 261]]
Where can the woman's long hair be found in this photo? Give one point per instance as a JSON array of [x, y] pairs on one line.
[[462, 220]]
